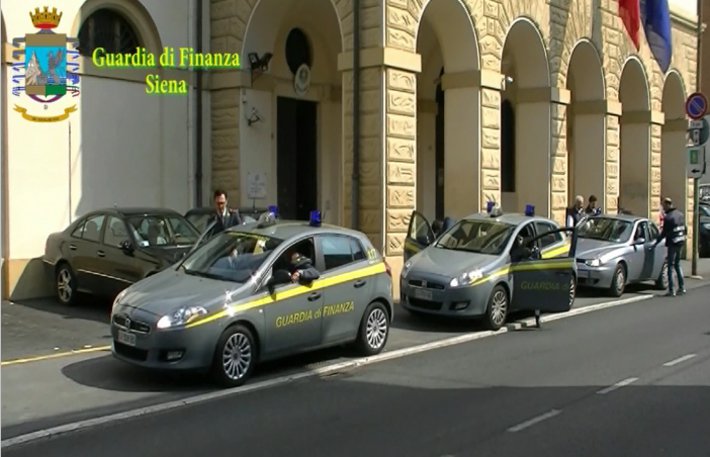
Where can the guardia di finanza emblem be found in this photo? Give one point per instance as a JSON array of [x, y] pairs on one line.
[[47, 67]]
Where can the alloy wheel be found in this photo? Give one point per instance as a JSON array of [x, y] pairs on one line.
[[377, 328], [236, 356], [64, 285], [499, 307]]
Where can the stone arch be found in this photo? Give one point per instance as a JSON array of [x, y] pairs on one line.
[[526, 85], [306, 123], [674, 181], [635, 138], [133, 11], [448, 93], [586, 127], [574, 22]]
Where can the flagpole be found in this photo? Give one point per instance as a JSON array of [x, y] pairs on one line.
[[696, 186]]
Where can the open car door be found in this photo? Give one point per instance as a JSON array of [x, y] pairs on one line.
[[547, 285], [419, 235]]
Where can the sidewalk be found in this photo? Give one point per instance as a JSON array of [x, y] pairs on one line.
[[703, 268]]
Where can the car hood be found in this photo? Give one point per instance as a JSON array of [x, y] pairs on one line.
[[168, 290], [447, 262], [590, 249], [169, 254]]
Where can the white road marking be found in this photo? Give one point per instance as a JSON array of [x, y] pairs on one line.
[[679, 360], [534, 420], [308, 373], [618, 385]]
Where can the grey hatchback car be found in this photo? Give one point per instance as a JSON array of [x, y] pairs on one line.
[[232, 302]]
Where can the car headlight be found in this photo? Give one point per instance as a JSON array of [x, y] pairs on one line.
[[118, 299], [466, 278], [405, 269], [181, 316], [593, 262]]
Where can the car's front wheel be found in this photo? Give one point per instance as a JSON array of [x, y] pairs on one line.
[[618, 282], [497, 310], [235, 356], [374, 330], [65, 284]]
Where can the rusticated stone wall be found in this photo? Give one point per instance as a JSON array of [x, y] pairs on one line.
[[558, 162]]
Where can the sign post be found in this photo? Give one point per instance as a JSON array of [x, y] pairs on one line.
[[696, 107]]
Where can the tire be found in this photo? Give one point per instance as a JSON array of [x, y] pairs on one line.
[[497, 309], [572, 290], [234, 357], [65, 284], [662, 281], [618, 283], [374, 330]]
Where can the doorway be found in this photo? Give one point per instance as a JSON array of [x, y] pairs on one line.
[[296, 157], [439, 149]]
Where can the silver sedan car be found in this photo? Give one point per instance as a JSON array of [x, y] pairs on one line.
[[237, 300], [616, 250]]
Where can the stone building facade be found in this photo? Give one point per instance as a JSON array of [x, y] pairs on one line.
[[526, 102]]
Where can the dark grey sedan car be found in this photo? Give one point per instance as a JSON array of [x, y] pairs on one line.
[[616, 250]]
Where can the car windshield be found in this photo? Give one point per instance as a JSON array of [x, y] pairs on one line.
[[199, 220], [605, 229], [231, 256], [162, 231], [479, 236]]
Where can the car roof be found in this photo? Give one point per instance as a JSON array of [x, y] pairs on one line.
[[508, 218], [622, 217], [134, 211], [286, 229]]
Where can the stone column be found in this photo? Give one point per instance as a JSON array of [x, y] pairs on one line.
[[656, 142], [559, 159], [490, 137], [613, 133]]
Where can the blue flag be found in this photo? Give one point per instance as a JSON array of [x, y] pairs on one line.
[[656, 20]]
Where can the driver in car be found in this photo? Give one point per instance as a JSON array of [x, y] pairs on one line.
[[302, 269], [520, 249]]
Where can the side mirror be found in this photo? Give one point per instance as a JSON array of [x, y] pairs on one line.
[[126, 246], [277, 278], [639, 241]]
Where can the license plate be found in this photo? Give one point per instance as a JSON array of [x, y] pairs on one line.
[[423, 294], [126, 338]]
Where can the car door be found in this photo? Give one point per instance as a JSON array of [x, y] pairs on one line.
[[419, 235], [120, 267], [652, 256], [542, 284], [293, 313], [636, 258], [552, 242], [340, 257], [84, 254], [659, 250]]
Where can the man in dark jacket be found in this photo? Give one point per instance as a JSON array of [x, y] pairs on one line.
[[674, 232], [592, 209], [302, 270], [223, 217], [575, 213]]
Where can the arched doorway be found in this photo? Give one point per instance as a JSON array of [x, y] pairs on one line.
[[674, 180], [635, 140], [291, 117], [586, 139], [448, 107], [525, 121]]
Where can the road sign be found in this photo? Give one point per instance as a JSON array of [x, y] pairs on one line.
[[696, 125], [696, 161], [696, 106], [699, 131]]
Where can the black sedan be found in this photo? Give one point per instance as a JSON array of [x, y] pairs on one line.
[[199, 217], [105, 251]]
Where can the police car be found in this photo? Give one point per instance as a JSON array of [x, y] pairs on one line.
[[487, 265], [234, 301]]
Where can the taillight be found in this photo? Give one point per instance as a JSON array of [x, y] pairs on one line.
[[388, 269]]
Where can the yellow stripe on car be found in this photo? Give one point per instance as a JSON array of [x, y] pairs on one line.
[[318, 284], [556, 251], [560, 264]]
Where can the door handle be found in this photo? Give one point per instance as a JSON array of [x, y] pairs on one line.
[[360, 283], [72, 247], [101, 253], [314, 296]]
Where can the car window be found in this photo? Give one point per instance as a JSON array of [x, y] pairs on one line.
[[358, 251], [304, 247], [158, 230], [605, 229], [641, 231], [92, 228], [337, 251], [79, 230], [550, 238], [115, 232], [704, 210], [182, 231], [479, 236], [199, 221], [653, 231]]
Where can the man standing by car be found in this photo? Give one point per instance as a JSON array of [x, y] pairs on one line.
[[223, 217], [674, 232], [576, 212], [592, 209]]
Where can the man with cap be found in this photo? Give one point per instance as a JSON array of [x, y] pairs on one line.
[[674, 232]]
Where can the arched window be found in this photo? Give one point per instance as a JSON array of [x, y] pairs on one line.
[[298, 50], [507, 146], [107, 29]]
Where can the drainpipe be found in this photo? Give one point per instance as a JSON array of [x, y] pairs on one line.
[[198, 108], [355, 197]]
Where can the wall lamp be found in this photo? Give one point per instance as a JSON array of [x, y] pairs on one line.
[[254, 117], [259, 65], [505, 80]]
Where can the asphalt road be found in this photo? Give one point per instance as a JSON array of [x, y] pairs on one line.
[[626, 381]]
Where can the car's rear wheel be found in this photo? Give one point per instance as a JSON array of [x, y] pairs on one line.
[[65, 284], [374, 330], [618, 282], [572, 290], [235, 356], [497, 310], [662, 281]]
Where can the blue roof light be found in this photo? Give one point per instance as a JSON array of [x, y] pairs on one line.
[[273, 209], [314, 219], [529, 210], [489, 206]]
